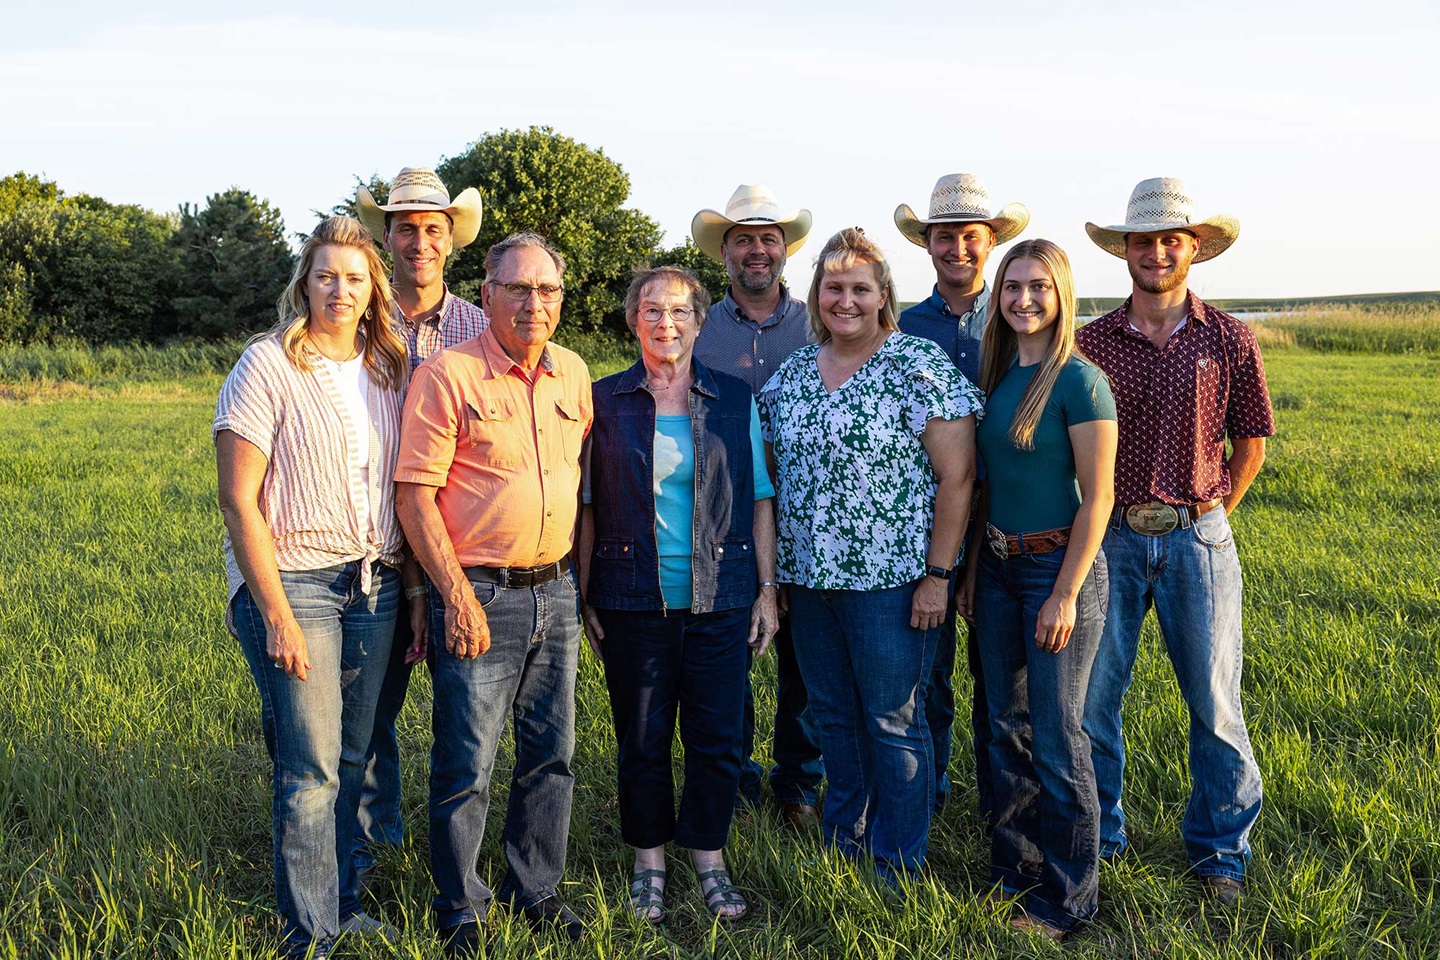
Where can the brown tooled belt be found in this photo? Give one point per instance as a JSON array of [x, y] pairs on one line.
[[1155, 519], [1007, 545]]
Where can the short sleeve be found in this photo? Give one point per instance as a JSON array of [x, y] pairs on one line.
[[247, 405], [764, 489], [428, 430], [1248, 413], [937, 390], [767, 403], [1087, 395]]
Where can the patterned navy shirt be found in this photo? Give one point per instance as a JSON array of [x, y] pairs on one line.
[[959, 337], [735, 344]]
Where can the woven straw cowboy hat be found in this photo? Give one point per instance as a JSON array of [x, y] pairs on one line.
[[419, 190], [962, 198], [1163, 203], [750, 203]]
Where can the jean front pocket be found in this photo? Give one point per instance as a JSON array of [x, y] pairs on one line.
[[1213, 530], [486, 593]]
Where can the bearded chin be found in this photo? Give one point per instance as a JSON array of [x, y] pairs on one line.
[[1165, 284]]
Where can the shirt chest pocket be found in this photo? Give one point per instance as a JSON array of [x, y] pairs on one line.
[[571, 417], [1211, 393], [492, 432]]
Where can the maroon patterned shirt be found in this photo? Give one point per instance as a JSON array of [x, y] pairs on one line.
[[1177, 404]]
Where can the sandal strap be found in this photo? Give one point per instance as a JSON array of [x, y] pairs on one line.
[[722, 893], [646, 876]]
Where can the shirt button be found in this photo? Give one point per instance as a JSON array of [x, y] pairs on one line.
[[962, 353], [762, 361]]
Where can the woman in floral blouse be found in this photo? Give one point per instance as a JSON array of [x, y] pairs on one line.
[[872, 434]]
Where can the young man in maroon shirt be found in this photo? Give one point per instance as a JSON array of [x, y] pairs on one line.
[[1186, 378]]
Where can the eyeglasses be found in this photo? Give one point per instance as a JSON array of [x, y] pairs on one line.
[[520, 292], [656, 314]]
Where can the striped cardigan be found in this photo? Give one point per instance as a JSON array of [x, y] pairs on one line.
[[308, 497]]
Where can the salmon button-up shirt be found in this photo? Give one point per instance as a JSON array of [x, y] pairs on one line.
[[504, 451]]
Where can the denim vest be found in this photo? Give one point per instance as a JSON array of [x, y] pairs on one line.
[[624, 563]]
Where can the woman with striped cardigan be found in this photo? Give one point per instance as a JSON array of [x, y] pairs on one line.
[[306, 432]]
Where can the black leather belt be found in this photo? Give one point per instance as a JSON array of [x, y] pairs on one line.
[[520, 576]]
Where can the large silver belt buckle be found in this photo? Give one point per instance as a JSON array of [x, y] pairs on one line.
[[996, 541], [1153, 519]]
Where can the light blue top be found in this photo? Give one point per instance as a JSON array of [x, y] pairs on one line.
[[675, 499]]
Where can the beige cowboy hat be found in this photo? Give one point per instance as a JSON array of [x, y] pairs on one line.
[[419, 190], [1163, 203], [750, 203], [962, 198]]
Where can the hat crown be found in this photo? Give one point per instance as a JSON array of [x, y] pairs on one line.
[[752, 202], [420, 186], [1160, 200], [960, 196]]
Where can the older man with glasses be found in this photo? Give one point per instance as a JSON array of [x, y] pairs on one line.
[[489, 481]]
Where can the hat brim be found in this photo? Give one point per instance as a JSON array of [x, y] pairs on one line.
[[1215, 235], [1008, 224], [708, 229], [465, 213]]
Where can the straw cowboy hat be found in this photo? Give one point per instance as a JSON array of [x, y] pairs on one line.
[[419, 190], [962, 198], [750, 203], [1163, 203]]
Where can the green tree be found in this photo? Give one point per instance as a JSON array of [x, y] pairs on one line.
[[234, 264], [711, 272], [571, 194]]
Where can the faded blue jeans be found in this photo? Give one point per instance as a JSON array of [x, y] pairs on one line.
[[1191, 576], [867, 671], [1045, 840], [316, 732], [526, 676]]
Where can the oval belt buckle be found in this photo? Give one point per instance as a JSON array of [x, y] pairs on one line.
[[1153, 519]]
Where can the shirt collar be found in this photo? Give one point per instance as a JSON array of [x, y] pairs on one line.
[[501, 363], [438, 318], [1194, 310], [982, 302], [636, 378], [782, 308]]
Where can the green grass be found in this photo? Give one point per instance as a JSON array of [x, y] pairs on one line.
[[134, 789]]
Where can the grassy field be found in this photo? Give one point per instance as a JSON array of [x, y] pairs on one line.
[[134, 787]]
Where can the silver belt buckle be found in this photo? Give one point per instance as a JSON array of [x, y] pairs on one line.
[[1154, 519], [995, 540]]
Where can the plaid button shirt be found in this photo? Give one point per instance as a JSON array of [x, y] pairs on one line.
[[1178, 403], [457, 321]]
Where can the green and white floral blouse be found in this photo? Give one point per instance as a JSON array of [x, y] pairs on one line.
[[855, 488]]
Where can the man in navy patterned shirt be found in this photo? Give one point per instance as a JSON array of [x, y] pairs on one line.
[[748, 334], [959, 234]]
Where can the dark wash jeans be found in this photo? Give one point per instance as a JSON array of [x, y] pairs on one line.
[[867, 671], [940, 710], [656, 665], [316, 732], [1191, 576], [799, 768], [1046, 838], [527, 675]]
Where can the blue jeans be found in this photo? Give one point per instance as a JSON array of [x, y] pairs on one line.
[[528, 676], [1046, 838], [380, 822], [799, 768], [1191, 576], [867, 671], [656, 666], [316, 732], [940, 711]]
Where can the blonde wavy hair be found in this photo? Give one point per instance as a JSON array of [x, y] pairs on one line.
[[841, 252], [999, 345], [386, 356]]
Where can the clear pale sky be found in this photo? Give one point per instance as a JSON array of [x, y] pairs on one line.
[[1317, 124]]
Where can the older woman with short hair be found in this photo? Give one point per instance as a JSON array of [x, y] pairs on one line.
[[306, 435], [677, 553], [873, 438]]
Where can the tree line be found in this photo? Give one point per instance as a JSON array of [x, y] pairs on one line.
[[82, 267]]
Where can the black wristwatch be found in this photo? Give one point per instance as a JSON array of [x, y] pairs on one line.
[[944, 573]]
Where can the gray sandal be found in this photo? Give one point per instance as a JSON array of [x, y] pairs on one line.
[[646, 897], [722, 894]]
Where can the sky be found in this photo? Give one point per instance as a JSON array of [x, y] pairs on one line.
[[1317, 124]]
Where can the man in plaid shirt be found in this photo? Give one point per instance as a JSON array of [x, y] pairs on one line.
[[420, 227]]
